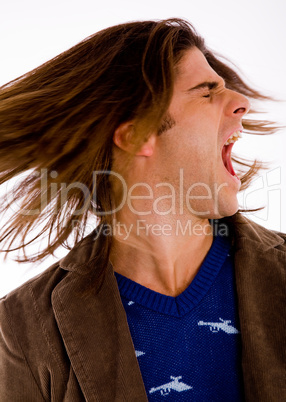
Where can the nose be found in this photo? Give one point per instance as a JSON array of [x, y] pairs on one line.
[[237, 105]]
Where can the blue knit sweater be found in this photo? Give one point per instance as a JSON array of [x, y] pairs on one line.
[[188, 347]]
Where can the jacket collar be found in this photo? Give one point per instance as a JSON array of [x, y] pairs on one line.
[[247, 230], [85, 255]]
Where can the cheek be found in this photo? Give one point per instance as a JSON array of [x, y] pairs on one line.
[[200, 152], [192, 143]]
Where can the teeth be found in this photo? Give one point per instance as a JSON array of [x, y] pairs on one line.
[[235, 136]]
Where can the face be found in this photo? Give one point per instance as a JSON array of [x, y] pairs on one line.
[[204, 115]]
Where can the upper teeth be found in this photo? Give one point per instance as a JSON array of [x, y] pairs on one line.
[[235, 136]]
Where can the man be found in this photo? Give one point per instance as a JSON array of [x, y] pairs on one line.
[[175, 294]]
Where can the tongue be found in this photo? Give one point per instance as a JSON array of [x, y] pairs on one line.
[[226, 157]]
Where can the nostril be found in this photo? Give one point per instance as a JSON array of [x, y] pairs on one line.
[[240, 110]]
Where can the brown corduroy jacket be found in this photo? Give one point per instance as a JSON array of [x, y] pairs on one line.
[[58, 345]]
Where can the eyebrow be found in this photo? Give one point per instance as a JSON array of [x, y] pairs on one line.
[[207, 84]]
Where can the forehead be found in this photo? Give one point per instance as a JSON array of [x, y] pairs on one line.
[[193, 69]]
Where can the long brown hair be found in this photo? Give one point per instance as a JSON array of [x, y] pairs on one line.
[[57, 124]]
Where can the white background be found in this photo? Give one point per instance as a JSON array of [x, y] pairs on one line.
[[251, 33]]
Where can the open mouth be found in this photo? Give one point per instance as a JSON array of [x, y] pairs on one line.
[[226, 152]]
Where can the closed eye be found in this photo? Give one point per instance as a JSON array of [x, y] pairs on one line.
[[211, 86]]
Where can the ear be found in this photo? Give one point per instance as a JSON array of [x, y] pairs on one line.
[[124, 138]]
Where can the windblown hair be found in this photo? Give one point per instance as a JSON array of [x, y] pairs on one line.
[[57, 124]]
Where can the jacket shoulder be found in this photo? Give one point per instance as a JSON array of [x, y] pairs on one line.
[[28, 309], [30, 343]]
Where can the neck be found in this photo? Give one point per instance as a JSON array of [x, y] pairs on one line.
[[161, 253]]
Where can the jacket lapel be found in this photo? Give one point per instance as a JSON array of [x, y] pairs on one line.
[[95, 332], [260, 261]]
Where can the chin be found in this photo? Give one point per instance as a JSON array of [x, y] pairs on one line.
[[227, 202], [225, 207]]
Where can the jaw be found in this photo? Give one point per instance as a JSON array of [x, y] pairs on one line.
[[225, 190], [222, 198]]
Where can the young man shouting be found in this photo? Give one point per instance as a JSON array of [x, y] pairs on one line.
[[174, 294]]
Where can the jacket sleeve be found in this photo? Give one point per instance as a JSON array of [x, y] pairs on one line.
[[17, 383]]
